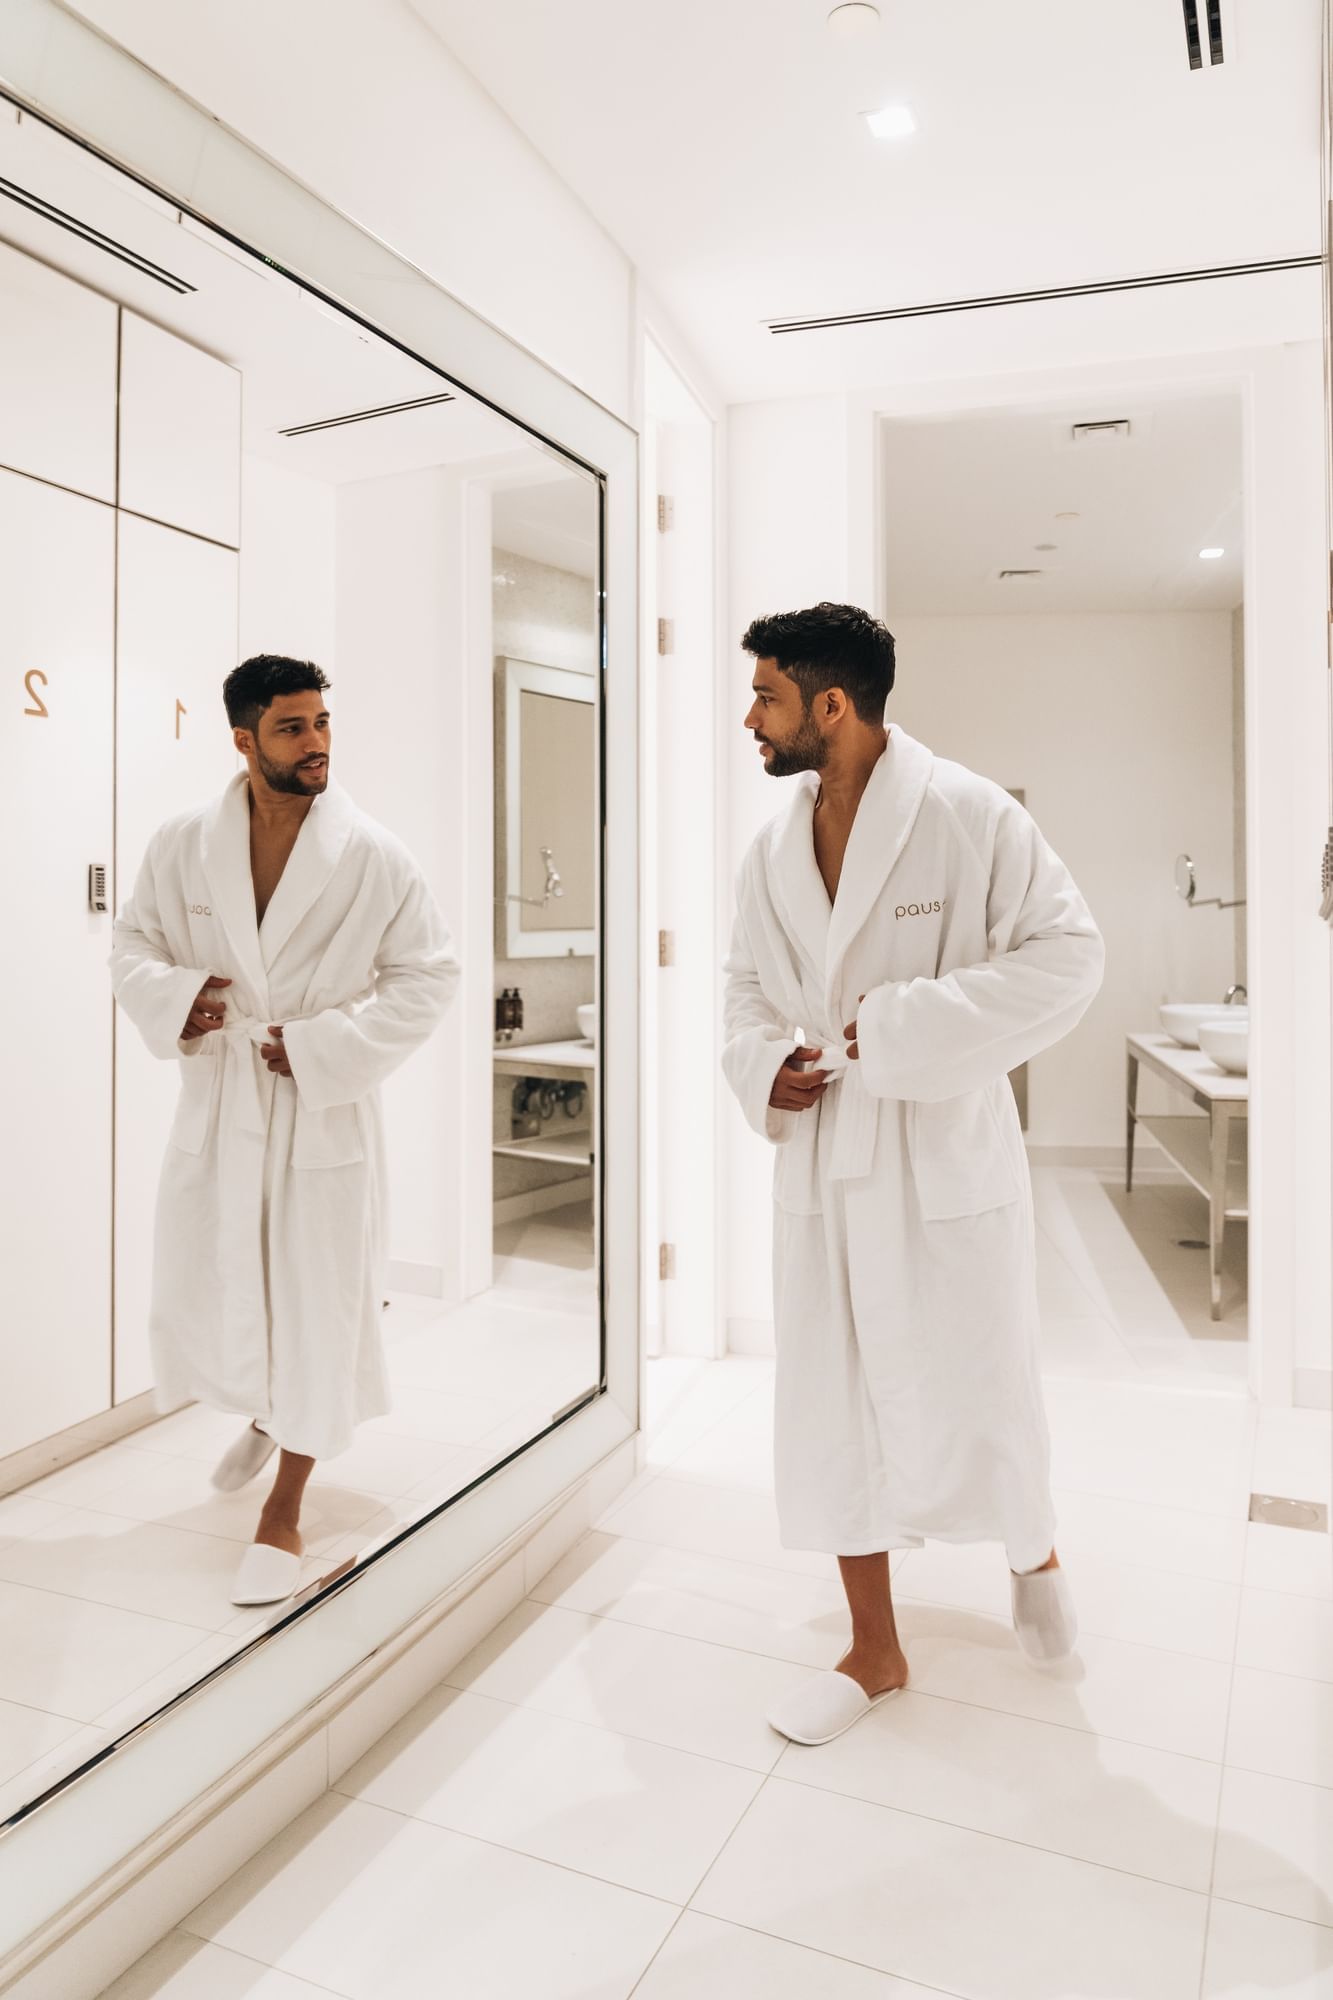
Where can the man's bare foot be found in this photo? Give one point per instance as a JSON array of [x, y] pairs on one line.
[[1052, 1562], [875, 1672], [278, 1532]]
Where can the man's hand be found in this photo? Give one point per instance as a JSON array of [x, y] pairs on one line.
[[796, 1089], [208, 1012], [275, 1055], [849, 1035]]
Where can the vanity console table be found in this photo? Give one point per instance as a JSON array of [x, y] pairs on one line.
[[1211, 1151], [561, 1061]]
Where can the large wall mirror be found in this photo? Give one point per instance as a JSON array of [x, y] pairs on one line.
[[232, 425]]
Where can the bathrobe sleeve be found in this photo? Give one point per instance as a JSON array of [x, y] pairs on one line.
[[155, 992], [756, 1040], [928, 1039], [342, 1054]]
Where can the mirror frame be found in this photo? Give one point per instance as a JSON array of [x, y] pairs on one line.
[[512, 941], [57, 69]]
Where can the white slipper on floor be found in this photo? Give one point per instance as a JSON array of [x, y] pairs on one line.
[[1045, 1621], [241, 1461], [822, 1708], [266, 1575]]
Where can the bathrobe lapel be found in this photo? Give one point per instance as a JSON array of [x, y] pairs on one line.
[[882, 827], [796, 885], [319, 848], [225, 858]]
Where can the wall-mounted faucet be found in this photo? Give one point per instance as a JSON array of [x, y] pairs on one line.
[[1235, 993], [553, 885]]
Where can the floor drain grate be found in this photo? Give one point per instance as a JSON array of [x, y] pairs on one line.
[[1279, 1513]]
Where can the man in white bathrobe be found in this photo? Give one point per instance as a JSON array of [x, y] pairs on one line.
[[904, 938], [284, 950]]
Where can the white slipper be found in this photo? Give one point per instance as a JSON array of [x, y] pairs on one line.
[[822, 1708], [1045, 1621], [266, 1575], [241, 1461]]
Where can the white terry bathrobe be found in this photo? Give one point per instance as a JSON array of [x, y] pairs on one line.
[[908, 1395], [270, 1229]]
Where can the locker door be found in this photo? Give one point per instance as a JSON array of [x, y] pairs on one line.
[[57, 600], [176, 644]]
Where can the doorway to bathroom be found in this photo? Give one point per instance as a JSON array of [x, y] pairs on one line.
[[1065, 579]]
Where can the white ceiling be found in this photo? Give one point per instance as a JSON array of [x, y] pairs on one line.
[[557, 523], [719, 142], [967, 497], [302, 362]]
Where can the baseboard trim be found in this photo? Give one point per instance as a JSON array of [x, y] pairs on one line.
[[1312, 1388], [425, 1280], [750, 1336], [119, 1918], [67, 1447]]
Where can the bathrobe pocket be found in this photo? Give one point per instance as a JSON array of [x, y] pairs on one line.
[[327, 1138], [961, 1161], [194, 1107]]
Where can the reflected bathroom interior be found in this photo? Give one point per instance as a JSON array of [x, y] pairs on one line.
[[545, 632], [1068, 585], [232, 466]]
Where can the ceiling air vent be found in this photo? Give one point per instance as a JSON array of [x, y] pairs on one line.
[[1203, 21], [365, 416], [1099, 433], [1007, 575], [36, 205]]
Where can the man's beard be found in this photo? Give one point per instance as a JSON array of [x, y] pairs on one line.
[[807, 750], [290, 777]]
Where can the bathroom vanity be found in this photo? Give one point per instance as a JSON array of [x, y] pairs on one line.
[[1210, 1151]]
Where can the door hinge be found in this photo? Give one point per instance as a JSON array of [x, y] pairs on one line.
[[666, 947], [666, 635], [666, 513], [1326, 879], [666, 1260]]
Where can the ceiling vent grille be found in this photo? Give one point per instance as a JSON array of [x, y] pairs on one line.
[[365, 416], [86, 233], [1203, 20], [1008, 575]]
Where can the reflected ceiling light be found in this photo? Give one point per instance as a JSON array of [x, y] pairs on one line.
[[1067, 517], [857, 18], [895, 121], [1210, 555]]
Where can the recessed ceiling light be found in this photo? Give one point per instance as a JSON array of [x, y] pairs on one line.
[[895, 121], [1210, 555], [856, 18]]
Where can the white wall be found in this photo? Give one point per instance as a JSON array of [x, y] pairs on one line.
[[288, 555], [358, 99], [1118, 730], [401, 694]]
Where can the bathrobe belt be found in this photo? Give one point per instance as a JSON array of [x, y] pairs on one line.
[[856, 1112], [243, 1036]]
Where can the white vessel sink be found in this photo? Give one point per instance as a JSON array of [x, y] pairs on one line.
[[587, 1020], [1227, 1043], [1182, 1021]]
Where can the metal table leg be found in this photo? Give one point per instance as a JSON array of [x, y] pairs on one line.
[[1131, 1100], [1219, 1137]]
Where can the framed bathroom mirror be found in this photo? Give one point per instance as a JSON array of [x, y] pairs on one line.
[[545, 846], [242, 426]]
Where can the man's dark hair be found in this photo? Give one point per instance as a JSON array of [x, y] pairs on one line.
[[252, 687], [828, 646]]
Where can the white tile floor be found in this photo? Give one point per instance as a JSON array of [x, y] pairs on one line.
[[115, 1572], [592, 1805]]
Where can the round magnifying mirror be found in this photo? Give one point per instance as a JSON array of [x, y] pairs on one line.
[[1186, 887]]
